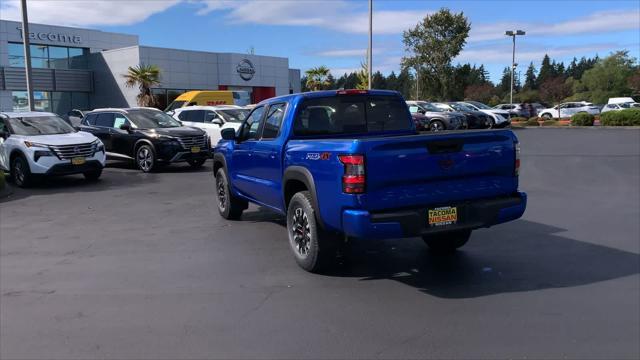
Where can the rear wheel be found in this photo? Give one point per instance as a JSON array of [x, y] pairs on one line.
[[145, 158], [447, 242], [20, 172], [93, 175], [436, 125], [196, 163], [313, 248], [229, 206]]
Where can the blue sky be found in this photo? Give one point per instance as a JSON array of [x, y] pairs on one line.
[[333, 32]]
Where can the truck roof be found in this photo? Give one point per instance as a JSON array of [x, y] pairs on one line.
[[329, 93]]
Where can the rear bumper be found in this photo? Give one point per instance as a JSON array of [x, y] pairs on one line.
[[413, 222]]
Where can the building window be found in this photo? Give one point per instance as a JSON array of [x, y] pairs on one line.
[[56, 102], [49, 56]]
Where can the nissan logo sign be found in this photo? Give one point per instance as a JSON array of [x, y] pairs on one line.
[[245, 69]]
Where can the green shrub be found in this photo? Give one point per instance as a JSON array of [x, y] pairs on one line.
[[550, 123], [535, 118], [582, 119], [532, 122], [1, 179], [626, 117], [518, 119]]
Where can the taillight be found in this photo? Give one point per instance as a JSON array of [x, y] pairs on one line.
[[353, 179], [517, 162]]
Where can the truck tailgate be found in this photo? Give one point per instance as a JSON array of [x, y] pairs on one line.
[[437, 169]]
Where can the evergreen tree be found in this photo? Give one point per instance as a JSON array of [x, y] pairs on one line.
[[546, 71], [530, 77], [504, 87]]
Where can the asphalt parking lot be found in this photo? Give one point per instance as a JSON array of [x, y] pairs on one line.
[[141, 266]]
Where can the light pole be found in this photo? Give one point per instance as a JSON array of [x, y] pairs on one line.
[[27, 55], [370, 52], [513, 34]]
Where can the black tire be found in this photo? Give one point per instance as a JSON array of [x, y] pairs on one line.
[[436, 125], [93, 175], [20, 172], [546, 116], [492, 123], [313, 248], [229, 206], [447, 242], [196, 163], [145, 158]]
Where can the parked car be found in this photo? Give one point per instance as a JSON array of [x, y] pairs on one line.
[[39, 143], [211, 118], [568, 109], [621, 100], [620, 106], [420, 121], [475, 119], [519, 110], [499, 118], [147, 136], [322, 159], [436, 118], [74, 117]]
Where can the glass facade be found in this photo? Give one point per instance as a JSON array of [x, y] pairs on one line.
[[49, 56], [164, 97], [51, 101]]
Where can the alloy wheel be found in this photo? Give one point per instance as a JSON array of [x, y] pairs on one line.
[[18, 168], [301, 232], [145, 159], [222, 194]]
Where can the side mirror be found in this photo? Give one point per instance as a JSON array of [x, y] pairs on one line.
[[217, 121], [125, 127], [228, 134], [422, 111], [4, 134]]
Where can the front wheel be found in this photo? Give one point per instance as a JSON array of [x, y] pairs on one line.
[[546, 116], [93, 175], [196, 163], [146, 158], [313, 248], [20, 172], [436, 125], [447, 242], [229, 206]]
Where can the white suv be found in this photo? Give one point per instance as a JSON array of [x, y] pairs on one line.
[[568, 109], [40, 143], [500, 118], [212, 119]]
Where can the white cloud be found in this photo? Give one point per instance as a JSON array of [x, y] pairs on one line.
[[84, 13], [502, 54], [599, 22], [355, 53], [338, 15]]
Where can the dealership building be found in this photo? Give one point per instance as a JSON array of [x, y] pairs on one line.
[[84, 68]]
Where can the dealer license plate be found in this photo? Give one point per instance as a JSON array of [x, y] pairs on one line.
[[78, 161], [447, 215], [195, 149]]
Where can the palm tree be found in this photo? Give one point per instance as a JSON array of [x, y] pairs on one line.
[[363, 76], [317, 78], [145, 77]]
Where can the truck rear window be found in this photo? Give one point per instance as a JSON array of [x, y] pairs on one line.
[[351, 114]]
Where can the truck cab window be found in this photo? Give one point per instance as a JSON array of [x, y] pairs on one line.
[[252, 124]]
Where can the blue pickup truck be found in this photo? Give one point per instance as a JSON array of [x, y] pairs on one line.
[[350, 164]]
